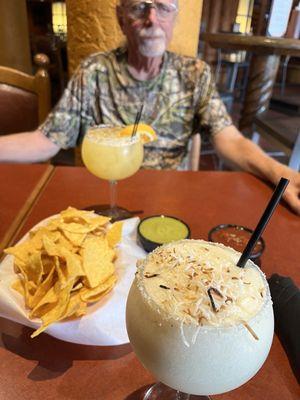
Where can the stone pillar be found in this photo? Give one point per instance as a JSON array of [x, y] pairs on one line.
[[14, 35], [92, 27]]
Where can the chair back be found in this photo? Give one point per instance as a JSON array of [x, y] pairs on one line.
[[25, 100]]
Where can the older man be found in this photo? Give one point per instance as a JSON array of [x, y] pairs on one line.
[[176, 92]]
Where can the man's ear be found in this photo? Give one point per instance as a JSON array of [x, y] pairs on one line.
[[120, 17]]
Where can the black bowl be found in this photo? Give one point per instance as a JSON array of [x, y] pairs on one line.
[[150, 245], [238, 241]]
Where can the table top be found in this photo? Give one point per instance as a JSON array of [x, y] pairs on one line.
[[48, 368], [20, 185], [256, 44]]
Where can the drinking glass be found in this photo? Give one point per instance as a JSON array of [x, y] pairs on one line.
[[194, 362], [111, 157]]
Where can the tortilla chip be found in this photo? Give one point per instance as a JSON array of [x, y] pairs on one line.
[[65, 265], [97, 261], [114, 234], [91, 295]]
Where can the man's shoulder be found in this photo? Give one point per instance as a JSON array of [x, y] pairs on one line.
[[188, 63], [100, 59]]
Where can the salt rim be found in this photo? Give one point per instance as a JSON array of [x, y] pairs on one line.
[[205, 327], [114, 141]]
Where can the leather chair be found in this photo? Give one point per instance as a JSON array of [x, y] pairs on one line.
[[25, 100]]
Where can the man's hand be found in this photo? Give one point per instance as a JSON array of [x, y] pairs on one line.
[[292, 192]]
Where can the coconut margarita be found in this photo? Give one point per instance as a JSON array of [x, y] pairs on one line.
[[198, 322]]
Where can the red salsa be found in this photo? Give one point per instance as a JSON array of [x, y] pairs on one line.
[[236, 237]]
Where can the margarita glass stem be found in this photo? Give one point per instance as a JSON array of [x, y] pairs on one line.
[[113, 194], [159, 391]]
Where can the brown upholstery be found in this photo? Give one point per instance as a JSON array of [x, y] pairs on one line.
[[24, 99], [12, 101]]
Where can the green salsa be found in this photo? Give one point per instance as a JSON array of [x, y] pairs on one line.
[[161, 229]]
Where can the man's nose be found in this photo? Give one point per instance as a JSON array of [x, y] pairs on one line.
[[151, 18]]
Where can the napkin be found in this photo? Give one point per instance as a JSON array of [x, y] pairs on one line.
[[104, 324]]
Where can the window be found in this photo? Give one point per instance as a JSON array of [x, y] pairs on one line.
[[244, 15], [59, 19]]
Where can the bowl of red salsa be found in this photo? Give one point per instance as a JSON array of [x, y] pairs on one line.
[[237, 237]]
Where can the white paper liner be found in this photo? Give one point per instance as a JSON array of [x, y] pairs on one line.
[[104, 324]]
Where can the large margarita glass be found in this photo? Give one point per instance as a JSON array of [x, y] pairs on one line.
[[197, 322], [111, 157]]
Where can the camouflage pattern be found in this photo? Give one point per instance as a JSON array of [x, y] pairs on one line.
[[102, 91]]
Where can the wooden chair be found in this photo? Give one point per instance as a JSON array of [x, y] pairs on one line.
[[54, 48], [25, 100]]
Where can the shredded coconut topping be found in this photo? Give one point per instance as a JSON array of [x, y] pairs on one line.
[[197, 282]]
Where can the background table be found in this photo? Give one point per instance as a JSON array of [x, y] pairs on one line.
[[263, 68], [19, 187], [46, 368]]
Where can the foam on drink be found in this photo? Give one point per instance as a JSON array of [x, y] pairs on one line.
[[198, 283]]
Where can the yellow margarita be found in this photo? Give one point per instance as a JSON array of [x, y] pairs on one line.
[[110, 156]]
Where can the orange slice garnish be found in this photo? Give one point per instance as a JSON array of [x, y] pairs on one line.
[[144, 131]]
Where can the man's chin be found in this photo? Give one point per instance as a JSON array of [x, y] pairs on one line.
[[152, 51]]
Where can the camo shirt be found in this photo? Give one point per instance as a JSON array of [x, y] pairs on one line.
[[180, 100]]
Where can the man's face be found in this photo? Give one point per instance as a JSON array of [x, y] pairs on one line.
[[151, 31]]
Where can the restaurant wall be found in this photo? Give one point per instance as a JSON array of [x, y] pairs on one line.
[[14, 37], [92, 27]]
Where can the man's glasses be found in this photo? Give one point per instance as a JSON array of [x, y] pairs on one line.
[[140, 9]]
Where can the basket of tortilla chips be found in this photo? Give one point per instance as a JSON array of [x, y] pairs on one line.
[[67, 267]]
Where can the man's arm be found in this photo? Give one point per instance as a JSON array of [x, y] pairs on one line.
[[26, 147], [242, 153]]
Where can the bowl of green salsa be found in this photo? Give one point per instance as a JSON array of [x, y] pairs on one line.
[[157, 230]]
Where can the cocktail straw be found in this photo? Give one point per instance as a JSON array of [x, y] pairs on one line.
[[278, 192], [137, 121]]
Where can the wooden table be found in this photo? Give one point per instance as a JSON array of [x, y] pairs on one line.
[[46, 368], [263, 67], [20, 185]]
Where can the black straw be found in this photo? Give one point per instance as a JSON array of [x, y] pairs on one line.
[[137, 121], [280, 188]]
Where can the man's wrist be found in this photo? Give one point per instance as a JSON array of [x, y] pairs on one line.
[[278, 171]]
